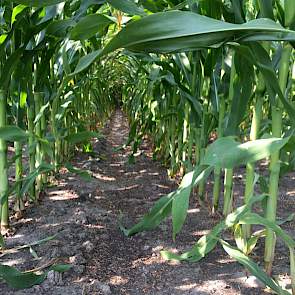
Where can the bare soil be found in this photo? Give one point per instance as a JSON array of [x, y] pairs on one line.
[[85, 215]]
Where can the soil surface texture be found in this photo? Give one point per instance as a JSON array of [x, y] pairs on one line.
[[84, 216]]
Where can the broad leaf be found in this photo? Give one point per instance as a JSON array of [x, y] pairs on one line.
[[13, 133], [23, 280], [82, 136], [181, 198], [19, 280], [227, 153], [59, 28], [178, 31], [165, 205], [208, 242], [181, 31], [82, 173], [127, 6], [86, 61], [39, 3], [90, 25]]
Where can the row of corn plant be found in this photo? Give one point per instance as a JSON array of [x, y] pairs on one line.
[[48, 109]]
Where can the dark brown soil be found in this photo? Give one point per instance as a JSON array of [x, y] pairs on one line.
[[84, 215]]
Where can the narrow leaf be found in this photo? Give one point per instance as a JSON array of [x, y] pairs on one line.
[[252, 267]]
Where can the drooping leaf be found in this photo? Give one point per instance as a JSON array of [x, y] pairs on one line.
[[23, 280], [164, 206], [127, 6], [59, 28], [252, 267], [256, 54], [90, 25], [82, 136], [84, 174], [181, 31], [208, 242], [86, 61], [39, 3], [19, 280], [160, 210], [178, 31], [13, 133], [180, 202], [227, 153], [203, 246], [253, 218], [17, 10], [27, 181]]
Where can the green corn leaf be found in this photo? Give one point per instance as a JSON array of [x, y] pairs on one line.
[[253, 218], [252, 241], [39, 3], [287, 219], [178, 31], [208, 242], [227, 153], [61, 267], [23, 280], [13, 133], [9, 66], [28, 181], [47, 148], [59, 28], [46, 145], [180, 203], [17, 10], [82, 136], [82, 173], [19, 280], [253, 268], [160, 210], [127, 6], [289, 12], [175, 202], [256, 54], [266, 8], [181, 197], [239, 239], [181, 31], [90, 25], [86, 61], [203, 246], [41, 113]]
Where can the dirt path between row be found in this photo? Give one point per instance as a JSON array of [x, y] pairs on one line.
[[84, 215]]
